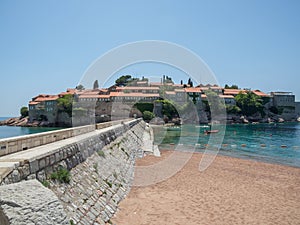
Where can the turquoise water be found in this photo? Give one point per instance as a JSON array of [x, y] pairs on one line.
[[274, 143], [9, 131]]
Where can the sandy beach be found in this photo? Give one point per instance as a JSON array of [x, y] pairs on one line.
[[230, 191]]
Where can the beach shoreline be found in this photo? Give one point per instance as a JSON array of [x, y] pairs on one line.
[[230, 191]]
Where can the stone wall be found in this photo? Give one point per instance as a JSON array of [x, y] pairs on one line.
[[66, 155], [21, 143], [102, 181], [101, 168]]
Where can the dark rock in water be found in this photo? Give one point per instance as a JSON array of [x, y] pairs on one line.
[[11, 121], [157, 121], [16, 121]]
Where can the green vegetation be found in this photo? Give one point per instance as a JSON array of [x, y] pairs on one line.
[[72, 222], [96, 85], [62, 175], [80, 87], [24, 111], [147, 115], [234, 86], [144, 106], [124, 80], [95, 166], [167, 79], [108, 183], [233, 109], [168, 108], [101, 153], [45, 183], [249, 103], [190, 82], [65, 104]]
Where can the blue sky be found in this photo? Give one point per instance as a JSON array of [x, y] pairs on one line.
[[46, 46]]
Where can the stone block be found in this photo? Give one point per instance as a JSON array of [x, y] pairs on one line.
[[42, 163], [52, 159], [34, 166]]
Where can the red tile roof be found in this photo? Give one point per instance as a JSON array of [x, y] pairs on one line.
[[33, 103], [132, 94], [42, 98], [136, 88], [233, 91], [260, 93], [170, 92], [93, 96], [179, 90], [226, 96], [193, 89]]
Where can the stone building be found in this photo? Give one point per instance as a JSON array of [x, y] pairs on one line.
[[43, 108]]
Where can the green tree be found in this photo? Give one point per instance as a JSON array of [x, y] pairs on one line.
[[96, 85], [144, 106], [80, 87], [168, 108], [65, 104], [123, 80], [249, 103], [190, 82], [24, 111], [147, 115], [233, 109], [234, 86]]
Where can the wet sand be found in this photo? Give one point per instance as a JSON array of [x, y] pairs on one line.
[[230, 191]]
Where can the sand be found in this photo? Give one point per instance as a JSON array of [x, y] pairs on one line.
[[230, 191]]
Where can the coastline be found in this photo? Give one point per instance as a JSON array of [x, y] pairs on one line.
[[24, 122], [230, 191]]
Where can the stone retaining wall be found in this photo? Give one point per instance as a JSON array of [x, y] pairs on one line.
[[102, 181], [68, 156], [101, 168], [21, 143]]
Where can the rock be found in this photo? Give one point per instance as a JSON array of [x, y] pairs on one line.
[[243, 119], [16, 121], [157, 121], [28, 202], [298, 119], [280, 120]]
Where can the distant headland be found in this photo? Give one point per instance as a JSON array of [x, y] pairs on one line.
[[157, 102]]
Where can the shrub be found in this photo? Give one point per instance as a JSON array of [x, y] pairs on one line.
[[45, 183], [147, 115], [24, 111], [101, 153], [62, 175]]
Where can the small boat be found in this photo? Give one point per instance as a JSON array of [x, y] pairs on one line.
[[211, 131]]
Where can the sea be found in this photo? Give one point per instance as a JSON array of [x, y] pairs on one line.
[[273, 143], [12, 131]]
